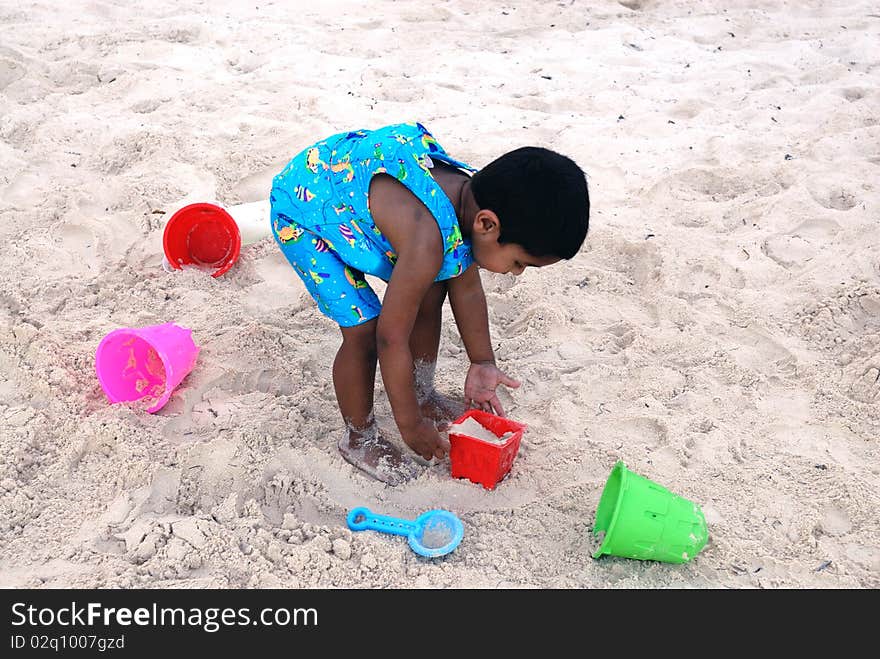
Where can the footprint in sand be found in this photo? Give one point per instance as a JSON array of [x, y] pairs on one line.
[[834, 196], [696, 183], [797, 247], [246, 61], [146, 105], [424, 13], [757, 352], [189, 490], [644, 431], [218, 398], [866, 384], [688, 109], [64, 246], [790, 252], [278, 492], [126, 151], [834, 522], [703, 447], [621, 337], [263, 380], [277, 383], [288, 491], [76, 77], [719, 185], [256, 186], [698, 281], [10, 72], [641, 261], [853, 94]]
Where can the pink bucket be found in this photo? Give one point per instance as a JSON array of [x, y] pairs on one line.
[[135, 363]]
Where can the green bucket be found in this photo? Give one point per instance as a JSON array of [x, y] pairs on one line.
[[646, 521]]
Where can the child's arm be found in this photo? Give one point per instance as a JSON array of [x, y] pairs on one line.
[[413, 232], [468, 304]]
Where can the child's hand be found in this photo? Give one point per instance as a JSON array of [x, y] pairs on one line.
[[424, 439], [480, 384]]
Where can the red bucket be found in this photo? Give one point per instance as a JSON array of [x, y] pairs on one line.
[[480, 461], [204, 235]]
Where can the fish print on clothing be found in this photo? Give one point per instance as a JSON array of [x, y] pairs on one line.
[[324, 192]]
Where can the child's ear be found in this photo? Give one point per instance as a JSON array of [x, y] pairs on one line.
[[486, 221]]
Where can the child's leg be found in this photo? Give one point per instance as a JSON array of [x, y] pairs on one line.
[[354, 374], [424, 343], [424, 340], [343, 294]]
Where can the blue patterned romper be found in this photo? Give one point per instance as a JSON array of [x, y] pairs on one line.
[[322, 222]]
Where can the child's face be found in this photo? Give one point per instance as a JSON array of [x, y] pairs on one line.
[[507, 258], [504, 258]]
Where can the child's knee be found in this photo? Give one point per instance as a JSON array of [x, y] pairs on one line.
[[361, 338]]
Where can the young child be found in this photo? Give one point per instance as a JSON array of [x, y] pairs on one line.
[[393, 204]]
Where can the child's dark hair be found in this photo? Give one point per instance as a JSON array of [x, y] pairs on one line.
[[540, 198]]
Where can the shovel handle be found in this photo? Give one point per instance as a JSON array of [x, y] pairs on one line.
[[361, 519]]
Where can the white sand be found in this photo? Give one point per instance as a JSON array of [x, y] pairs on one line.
[[473, 428], [719, 332]]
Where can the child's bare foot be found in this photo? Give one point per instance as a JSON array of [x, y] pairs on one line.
[[441, 409], [368, 451]]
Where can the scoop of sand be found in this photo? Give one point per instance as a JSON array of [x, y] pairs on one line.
[[473, 428]]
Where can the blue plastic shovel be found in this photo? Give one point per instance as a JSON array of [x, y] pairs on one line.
[[434, 533]]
